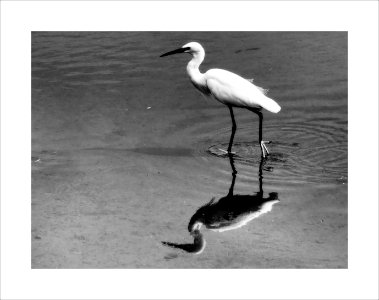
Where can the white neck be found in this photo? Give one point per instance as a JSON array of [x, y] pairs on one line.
[[193, 69]]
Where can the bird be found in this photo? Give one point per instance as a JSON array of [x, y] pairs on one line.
[[229, 89]]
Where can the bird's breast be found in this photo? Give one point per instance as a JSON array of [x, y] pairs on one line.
[[202, 88]]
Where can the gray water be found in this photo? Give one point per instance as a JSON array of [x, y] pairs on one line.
[[119, 132]]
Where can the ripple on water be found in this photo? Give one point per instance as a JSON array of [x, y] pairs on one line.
[[299, 153]]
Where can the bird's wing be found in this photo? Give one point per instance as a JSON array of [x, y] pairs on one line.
[[264, 91], [234, 90]]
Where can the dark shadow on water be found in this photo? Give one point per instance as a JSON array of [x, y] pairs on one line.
[[247, 49], [161, 151], [157, 151], [227, 213]]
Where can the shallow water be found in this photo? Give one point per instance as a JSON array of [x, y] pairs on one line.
[[125, 151]]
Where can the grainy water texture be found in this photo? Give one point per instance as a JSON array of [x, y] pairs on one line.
[[125, 152]]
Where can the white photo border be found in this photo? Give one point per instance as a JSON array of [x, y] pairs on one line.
[[20, 18]]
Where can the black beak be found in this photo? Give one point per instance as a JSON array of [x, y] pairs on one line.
[[180, 50]]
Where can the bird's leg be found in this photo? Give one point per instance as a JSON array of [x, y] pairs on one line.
[[264, 146], [234, 128], [234, 174], [262, 143], [261, 177]]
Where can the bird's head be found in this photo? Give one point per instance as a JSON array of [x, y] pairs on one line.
[[201, 216], [194, 226], [192, 48]]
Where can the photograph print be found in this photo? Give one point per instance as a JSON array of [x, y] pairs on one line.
[[189, 150]]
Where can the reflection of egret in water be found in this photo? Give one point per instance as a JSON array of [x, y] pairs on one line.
[[229, 212]]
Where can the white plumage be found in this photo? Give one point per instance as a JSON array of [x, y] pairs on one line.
[[227, 88], [231, 89]]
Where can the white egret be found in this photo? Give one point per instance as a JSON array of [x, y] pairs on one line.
[[228, 88]]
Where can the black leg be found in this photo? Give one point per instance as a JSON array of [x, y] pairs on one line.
[[234, 174], [234, 128], [260, 176], [260, 126]]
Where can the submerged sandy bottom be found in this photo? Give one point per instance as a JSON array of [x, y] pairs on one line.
[[97, 204]]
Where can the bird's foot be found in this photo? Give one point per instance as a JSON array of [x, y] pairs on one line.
[[264, 149], [227, 151]]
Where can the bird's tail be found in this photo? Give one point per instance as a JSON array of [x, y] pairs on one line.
[[271, 105]]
